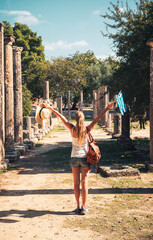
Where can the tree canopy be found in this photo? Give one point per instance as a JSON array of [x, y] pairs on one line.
[[70, 73], [79, 71], [130, 29], [33, 61]]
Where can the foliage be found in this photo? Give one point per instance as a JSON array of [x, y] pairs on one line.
[[80, 71], [130, 30], [93, 76], [8, 29], [33, 50], [35, 75], [70, 74], [33, 57], [27, 100]]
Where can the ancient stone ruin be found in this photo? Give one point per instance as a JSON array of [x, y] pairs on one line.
[[17, 134], [118, 171]]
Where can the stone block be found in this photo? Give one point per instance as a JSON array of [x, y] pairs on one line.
[[12, 155], [33, 120], [39, 136], [22, 148], [4, 165], [149, 166], [35, 129], [26, 134], [30, 144], [118, 171]]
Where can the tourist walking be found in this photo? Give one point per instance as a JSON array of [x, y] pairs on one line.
[[79, 133]]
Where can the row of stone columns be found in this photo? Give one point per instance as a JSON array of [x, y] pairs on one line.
[[121, 123], [100, 102], [11, 126]]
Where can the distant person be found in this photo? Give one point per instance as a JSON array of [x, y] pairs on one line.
[[79, 152], [142, 119]]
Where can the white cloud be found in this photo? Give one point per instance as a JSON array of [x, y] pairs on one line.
[[64, 45], [21, 13], [96, 12], [29, 20], [24, 17]]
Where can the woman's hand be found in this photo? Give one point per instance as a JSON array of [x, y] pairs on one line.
[[45, 105], [110, 105]]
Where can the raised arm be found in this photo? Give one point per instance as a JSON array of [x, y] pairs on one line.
[[64, 120], [92, 124]]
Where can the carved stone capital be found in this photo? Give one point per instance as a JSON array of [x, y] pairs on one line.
[[17, 49], [9, 39]]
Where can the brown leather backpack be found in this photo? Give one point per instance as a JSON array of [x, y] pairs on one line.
[[93, 154]]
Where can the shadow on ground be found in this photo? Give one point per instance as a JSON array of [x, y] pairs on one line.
[[29, 214], [57, 160], [70, 191]]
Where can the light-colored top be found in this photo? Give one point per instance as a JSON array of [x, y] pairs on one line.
[[79, 150]]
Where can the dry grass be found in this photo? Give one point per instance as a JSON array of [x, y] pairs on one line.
[[119, 216]]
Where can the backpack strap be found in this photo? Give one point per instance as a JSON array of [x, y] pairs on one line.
[[90, 137]]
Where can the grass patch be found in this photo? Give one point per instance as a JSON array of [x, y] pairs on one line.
[[10, 168], [59, 159], [136, 125], [142, 142], [38, 145], [58, 128], [2, 171], [121, 217], [129, 183], [112, 153]]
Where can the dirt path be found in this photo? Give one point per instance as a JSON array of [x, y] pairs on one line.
[[36, 203]]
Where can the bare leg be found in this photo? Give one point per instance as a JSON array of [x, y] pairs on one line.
[[76, 177], [84, 181]]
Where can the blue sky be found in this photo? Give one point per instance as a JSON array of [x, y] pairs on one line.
[[66, 26]]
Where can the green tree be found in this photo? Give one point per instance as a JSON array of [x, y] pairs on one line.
[[130, 31], [27, 100], [33, 50], [36, 74], [33, 58], [8, 29], [70, 74]]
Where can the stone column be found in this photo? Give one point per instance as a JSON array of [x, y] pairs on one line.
[[17, 77], [126, 125], [46, 91], [27, 127], [108, 124], [95, 100], [125, 139], [2, 118], [9, 95], [117, 125], [150, 164], [47, 123], [69, 117], [59, 103], [103, 102], [81, 100]]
